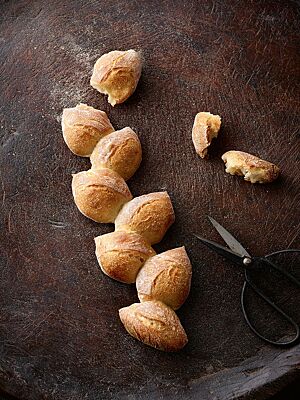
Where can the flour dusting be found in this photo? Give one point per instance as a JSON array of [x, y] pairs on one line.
[[68, 90]]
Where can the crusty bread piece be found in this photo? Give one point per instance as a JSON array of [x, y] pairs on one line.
[[121, 151], [166, 277], [251, 167], [117, 74], [154, 324], [99, 194], [121, 254], [149, 215], [206, 127], [83, 126]]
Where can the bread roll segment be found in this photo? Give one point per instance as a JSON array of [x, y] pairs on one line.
[[122, 254], [83, 126], [150, 215], [154, 324], [120, 151], [117, 74], [166, 277], [100, 194]]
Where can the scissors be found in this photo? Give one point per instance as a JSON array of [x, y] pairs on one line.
[[237, 254]]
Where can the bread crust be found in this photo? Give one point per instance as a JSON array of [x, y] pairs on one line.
[[120, 151], [117, 74], [83, 126], [166, 277], [206, 127], [122, 254], [150, 215], [251, 167], [100, 194], [154, 324]]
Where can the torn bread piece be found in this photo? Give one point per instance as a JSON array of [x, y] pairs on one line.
[[206, 127], [117, 74], [251, 167]]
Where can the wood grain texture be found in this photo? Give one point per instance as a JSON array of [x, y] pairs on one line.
[[60, 335]]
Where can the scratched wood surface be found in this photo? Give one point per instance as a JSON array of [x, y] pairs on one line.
[[61, 337]]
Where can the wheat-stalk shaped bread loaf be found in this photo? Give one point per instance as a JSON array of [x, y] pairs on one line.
[[126, 255]]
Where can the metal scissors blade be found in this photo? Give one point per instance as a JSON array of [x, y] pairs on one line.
[[222, 250], [234, 245]]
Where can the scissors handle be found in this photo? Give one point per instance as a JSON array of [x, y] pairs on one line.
[[248, 282]]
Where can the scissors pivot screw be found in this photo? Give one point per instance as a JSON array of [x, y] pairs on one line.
[[247, 261]]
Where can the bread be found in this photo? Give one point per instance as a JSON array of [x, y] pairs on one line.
[[83, 126], [206, 127], [154, 324], [100, 194], [149, 215], [117, 74], [120, 151], [166, 277], [253, 168], [121, 254]]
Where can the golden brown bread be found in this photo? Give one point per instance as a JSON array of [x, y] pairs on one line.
[[206, 127], [253, 168], [100, 194], [117, 74], [166, 277], [83, 126], [121, 254], [120, 150], [149, 215], [154, 324]]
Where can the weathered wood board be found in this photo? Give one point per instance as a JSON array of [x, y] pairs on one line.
[[60, 335]]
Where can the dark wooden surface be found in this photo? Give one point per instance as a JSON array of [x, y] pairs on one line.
[[60, 334]]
